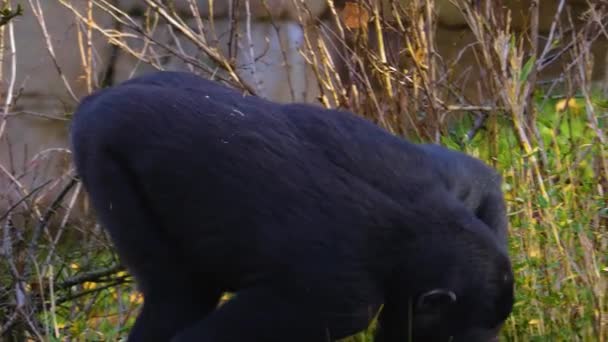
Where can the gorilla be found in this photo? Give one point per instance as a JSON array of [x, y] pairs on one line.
[[318, 220], [475, 184]]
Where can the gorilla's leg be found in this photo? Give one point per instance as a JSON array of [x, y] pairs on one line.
[[161, 318], [173, 297], [261, 314]]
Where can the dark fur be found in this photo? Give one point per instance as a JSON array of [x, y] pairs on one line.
[[475, 184], [314, 217]]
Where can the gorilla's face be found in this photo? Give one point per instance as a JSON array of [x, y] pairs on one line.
[[444, 315], [446, 329]]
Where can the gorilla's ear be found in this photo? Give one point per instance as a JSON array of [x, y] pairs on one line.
[[435, 299]]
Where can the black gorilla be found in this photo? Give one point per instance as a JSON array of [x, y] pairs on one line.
[[315, 218], [476, 185]]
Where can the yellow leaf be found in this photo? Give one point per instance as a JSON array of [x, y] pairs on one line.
[[534, 253], [89, 285], [570, 103], [136, 298]]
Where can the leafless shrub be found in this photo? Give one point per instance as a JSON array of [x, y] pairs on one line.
[[383, 60]]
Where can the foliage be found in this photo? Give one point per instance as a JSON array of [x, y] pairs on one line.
[[546, 137]]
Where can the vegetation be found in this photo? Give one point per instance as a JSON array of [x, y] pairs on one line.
[[546, 135]]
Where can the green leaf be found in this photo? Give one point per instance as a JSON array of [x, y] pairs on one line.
[[527, 69]]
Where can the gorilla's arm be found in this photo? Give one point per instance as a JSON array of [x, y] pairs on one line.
[[259, 314], [390, 326]]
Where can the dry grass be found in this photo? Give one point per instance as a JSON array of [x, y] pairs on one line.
[[546, 136]]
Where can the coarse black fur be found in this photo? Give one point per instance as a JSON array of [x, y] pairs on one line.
[[475, 184], [315, 218]]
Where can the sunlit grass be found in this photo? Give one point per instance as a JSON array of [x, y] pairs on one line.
[[558, 246]]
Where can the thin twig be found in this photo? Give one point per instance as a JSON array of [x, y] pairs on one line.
[[39, 14], [43, 223], [92, 276], [12, 79], [22, 199]]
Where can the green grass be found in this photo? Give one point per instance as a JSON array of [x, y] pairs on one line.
[[558, 244]]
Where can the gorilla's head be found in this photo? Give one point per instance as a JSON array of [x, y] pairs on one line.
[[470, 300], [473, 314]]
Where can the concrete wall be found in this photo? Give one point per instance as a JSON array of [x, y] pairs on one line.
[[34, 146]]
